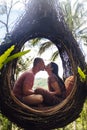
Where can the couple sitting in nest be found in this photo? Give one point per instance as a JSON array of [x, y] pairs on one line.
[[56, 92]]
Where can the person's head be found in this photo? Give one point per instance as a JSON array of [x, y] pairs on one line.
[[52, 68], [38, 63]]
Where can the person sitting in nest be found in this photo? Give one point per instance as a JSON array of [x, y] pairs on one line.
[[56, 89], [69, 83], [23, 86]]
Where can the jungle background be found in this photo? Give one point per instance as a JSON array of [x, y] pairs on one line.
[[75, 13]]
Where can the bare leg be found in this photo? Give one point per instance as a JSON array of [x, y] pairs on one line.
[[33, 99]]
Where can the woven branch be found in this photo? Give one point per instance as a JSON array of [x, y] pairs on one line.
[[43, 19]]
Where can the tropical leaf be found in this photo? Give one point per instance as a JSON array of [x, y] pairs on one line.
[[83, 31], [35, 41], [14, 56], [83, 76], [54, 56], [80, 25], [4, 56], [44, 47]]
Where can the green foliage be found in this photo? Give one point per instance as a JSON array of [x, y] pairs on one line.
[[83, 76], [5, 58], [19, 54], [35, 41], [44, 46], [54, 56], [5, 124]]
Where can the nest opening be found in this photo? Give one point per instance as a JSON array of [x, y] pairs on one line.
[[48, 112], [29, 114], [51, 25], [51, 109]]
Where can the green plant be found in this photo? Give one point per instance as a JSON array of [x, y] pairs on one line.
[[6, 57], [83, 76]]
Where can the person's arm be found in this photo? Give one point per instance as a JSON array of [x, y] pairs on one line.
[[28, 84], [56, 88], [27, 91]]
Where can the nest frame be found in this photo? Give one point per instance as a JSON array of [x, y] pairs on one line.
[[59, 115]]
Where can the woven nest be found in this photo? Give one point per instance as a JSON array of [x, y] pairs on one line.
[[45, 20]]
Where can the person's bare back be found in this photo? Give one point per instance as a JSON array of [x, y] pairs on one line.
[[23, 88]]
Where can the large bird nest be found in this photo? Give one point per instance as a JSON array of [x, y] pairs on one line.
[[45, 20]]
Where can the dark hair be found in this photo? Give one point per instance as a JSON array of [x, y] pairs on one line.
[[55, 71], [54, 68], [36, 61]]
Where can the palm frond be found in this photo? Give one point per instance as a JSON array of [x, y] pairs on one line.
[[84, 36], [77, 8], [16, 55], [75, 3], [35, 41], [54, 56], [67, 9], [44, 47], [80, 25], [5, 55], [83, 31]]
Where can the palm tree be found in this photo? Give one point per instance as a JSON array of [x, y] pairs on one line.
[[43, 45], [48, 45], [75, 16]]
